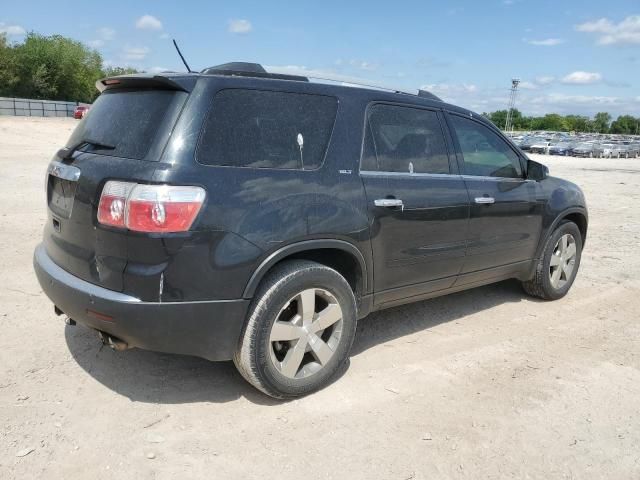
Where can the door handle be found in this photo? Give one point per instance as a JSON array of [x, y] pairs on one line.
[[485, 200], [389, 203]]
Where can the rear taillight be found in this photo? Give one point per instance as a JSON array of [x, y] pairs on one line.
[[113, 201], [149, 208]]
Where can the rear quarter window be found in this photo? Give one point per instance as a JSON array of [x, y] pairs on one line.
[[126, 119], [266, 129]]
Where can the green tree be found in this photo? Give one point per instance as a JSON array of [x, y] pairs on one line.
[[8, 74], [115, 71], [601, 122], [577, 123], [625, 124], [499, 118], [56, 68]]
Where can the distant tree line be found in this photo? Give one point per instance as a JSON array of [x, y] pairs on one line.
[[52, 68], [600, 123]]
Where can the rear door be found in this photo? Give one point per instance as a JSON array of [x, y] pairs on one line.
[[506, 218], [120, 138], [417, 202]]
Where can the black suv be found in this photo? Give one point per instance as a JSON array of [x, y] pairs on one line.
[[237, 214]]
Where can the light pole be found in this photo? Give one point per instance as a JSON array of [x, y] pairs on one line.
[[512, 103]]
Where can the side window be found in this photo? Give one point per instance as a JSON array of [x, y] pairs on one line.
[[264, 129], [404, 139], [485, 153]]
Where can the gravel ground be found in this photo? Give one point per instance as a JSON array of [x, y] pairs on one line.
[[486, 383]]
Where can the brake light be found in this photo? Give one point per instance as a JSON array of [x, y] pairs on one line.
[[149, 208]]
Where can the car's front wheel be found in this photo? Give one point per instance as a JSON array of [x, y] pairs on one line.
[[558, 265], [299, 331]]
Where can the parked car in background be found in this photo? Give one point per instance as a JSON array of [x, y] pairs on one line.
[[541, 146], [588, 150], [630, 151], [237, 214], [528, 142], [561, 148], [617, 151], [80, 111]]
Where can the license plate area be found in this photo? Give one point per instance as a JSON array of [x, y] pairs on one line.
[[60, 195], [62, 181]]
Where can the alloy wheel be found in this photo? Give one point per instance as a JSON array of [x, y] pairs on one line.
[[563, 260], [306, 333]]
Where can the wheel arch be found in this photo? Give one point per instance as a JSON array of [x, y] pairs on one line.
[[577, 215], [340, 255]]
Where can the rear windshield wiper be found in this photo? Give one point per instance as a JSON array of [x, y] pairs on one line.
[[67, 152]]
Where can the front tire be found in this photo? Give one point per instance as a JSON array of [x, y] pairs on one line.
[[558, 266], [299, 332]]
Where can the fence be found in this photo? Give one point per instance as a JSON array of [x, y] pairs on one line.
[[36, 108]]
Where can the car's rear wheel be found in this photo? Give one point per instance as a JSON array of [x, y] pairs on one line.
[[299, 332], [558, 265]]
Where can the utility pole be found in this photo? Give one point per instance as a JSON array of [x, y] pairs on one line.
[[508, 127]]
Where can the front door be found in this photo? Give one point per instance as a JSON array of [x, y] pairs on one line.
[[418, 203], [506, 219]]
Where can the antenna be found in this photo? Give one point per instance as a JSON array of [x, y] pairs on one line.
[[508, 127], [181, 57]]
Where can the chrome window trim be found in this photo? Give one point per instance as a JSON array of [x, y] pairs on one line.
[[495, 179], [434, 176]]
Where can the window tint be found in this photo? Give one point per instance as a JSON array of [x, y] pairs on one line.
[[404, 139], [125, 119], [262, 129], [484, 152]]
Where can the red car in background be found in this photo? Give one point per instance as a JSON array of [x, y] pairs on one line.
[[80, 111]]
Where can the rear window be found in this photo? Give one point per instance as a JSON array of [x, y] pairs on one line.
[[264, 129], [125, 119]]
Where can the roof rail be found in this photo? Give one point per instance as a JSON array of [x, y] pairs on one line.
[[357, 83], [245, 69], [429, 95]]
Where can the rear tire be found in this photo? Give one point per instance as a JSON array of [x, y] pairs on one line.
[[299, 331], [558, 265]]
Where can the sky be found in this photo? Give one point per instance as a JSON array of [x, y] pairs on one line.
[[577, 57]]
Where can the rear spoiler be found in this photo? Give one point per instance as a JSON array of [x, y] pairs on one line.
[[183, 83]]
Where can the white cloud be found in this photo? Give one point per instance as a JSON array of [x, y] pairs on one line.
[[135, 53], [164, 36], [363, 65], [528, 85], [610, 33], [547, 42], [450, 89], [148, 22], [545, 80], [106, 33], [157, 69], [240, 26], [12, 30], [582, 78]]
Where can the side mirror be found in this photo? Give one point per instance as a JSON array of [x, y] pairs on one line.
[[536, 171]]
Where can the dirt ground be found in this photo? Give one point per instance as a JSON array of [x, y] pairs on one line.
[[486, 383]]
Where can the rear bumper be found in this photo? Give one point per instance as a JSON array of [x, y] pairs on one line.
[[208, 329]]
